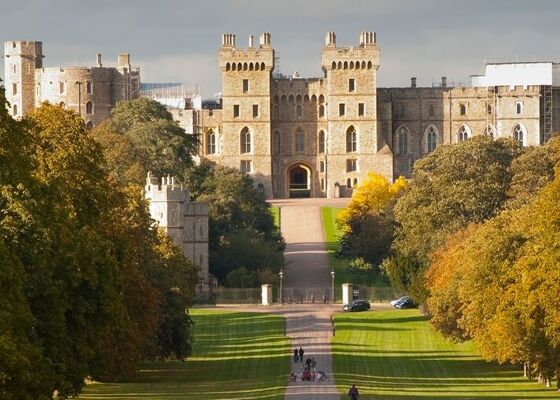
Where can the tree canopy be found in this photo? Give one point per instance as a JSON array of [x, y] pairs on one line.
[[89, 286]]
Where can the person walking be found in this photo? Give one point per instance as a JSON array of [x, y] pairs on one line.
[[353, 393], [313, 364], [301, 354], [296, 357]]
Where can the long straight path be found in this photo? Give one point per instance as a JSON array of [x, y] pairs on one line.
[[308, 325]]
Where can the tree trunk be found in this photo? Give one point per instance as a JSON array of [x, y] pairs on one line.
[[558, 379]]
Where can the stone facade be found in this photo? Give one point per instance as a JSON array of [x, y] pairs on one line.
[[185, 221], [320, 137], [91, 91]]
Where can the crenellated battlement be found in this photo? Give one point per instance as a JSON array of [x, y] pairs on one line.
[[362, 57], [233, 58]]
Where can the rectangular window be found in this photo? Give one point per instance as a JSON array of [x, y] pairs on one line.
[[519, 107], [15, 69], [89, 88], [61, 87], [489, 109], [351, 85], [321, 166], [401, 110], [463, 109], [351, 165], [431, 110], [236, 111], [245, 166], [341, 110], [255, 110], [14, 89], [245, 85], [28, 69], [361, 109]]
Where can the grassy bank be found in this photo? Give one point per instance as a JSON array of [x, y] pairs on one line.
[[235, 356], [397, 355]]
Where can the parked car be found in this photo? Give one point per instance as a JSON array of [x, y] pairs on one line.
[[399, 300], [357, 305], [408, 303]]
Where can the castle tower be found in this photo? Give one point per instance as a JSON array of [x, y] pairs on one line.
[[246, 86], [185, 222], [21, 59], [353, 142]]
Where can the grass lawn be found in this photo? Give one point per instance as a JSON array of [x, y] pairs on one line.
[[275, 211], [397, 355], [328, 215], [235, 356]]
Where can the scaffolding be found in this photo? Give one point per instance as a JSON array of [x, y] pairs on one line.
[[547, 111]]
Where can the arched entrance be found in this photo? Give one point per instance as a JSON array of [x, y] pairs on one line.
[[299, 181]]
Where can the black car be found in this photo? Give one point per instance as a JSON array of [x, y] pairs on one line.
[[357, 305], [408, 303]]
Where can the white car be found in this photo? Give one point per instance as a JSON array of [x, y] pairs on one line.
[[397, 301]]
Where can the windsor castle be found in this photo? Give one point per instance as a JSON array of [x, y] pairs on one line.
[[315, 137]]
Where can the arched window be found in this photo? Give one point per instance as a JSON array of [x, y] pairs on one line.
[[321, 142], [89, 88], [463, 133], [300, 140], [519, 134], [490, 131], [349, 183], [233, 68], [402, 140], [299, 111], [15, 109], [276, 146], [355, 183], [321, 99], [431, 136], [89, 107], [334, 65], [90, 125], [351, 140], [245, 141], [211, 142], [227, 67], [321, 111]]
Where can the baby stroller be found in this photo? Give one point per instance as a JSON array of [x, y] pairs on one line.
[[306, 375], [321, 376]]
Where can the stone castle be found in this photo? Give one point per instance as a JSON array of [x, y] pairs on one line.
[[185, 221], [90, 91], [314, 137]]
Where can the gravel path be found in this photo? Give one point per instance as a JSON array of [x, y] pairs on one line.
[[308, 325]]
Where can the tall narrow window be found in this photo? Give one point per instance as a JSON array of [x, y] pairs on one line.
[[255, 110], [463, 133], [431, 110], [236, 111], [519, 107], [246, 166], [322, 184], [431, 139], [300, 140], [402, 136], [211, 143], [463, 109], [61, 87], [321, 142], [88, 88], [15, 110], [351, 165], [351, 140], [245, 85], [321, 166], [299, 111], [489, 109], [341, 110], [276, 111], [518, 135], [276, 145], [401, 110], [89, 107], [351, 85], [245, 141], [321, 111], [14, 88], [489, 131], [361, 109]]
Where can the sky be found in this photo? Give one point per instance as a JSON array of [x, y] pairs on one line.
[[178, 40]]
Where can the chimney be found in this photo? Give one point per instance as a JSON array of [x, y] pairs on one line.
[[250, 41], [367, 39], [99, 65], [330, 39], [228, 40], [124, 60], [265, 39], [413, 82], [444, 81]]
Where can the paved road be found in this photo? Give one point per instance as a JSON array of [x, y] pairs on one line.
[[308, 326]]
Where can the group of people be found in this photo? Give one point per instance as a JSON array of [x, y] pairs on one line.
[[308, 371]]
